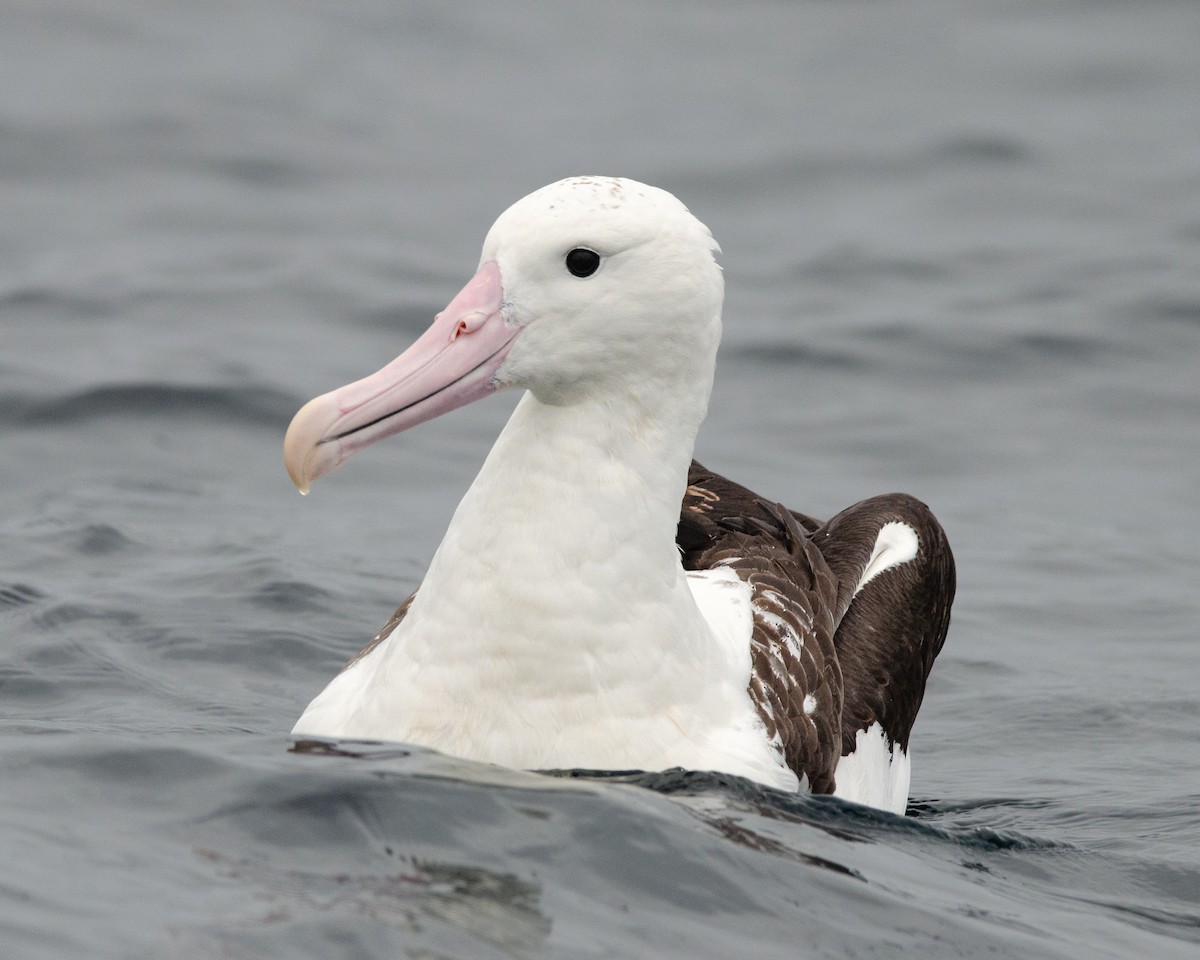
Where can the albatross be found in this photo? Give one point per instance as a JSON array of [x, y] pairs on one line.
[[600, 600]]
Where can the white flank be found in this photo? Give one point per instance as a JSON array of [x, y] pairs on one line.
[[876, 774], [724, 599]]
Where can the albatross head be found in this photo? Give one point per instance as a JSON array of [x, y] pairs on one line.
[[590, 288]]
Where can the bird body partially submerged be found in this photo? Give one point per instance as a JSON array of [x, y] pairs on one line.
[[572, 616]]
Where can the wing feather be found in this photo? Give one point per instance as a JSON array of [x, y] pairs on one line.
[[795, 681]]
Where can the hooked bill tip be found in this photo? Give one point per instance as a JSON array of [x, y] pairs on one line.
[[302, 450]]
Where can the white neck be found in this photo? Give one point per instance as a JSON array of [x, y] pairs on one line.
[[571, 519], [556, 626]]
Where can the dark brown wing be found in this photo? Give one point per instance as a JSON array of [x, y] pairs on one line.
[[795, 682], [862, 658], [887, 636]]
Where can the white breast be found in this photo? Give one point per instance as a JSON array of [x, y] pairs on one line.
[[706, 722]]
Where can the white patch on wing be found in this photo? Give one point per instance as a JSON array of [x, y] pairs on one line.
[[896, 544], [876, 773]]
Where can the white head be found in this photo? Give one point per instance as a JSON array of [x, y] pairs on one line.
[[652, 306], [590, 288]]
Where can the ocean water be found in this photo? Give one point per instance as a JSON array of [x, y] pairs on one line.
[[962, 249]]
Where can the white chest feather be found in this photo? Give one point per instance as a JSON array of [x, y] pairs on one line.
[[621, 702]]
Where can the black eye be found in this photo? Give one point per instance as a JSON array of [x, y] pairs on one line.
[[583, 262]]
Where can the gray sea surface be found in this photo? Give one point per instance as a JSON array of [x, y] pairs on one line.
[[962, 250]]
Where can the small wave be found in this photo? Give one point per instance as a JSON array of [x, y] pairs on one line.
[[993, 357], [717, 798], [1181, 923], [256, 171], [21, 685], [253, 405], [65, 614], [930, 808], [421, 896], [797, 355], [48, 301], [19, 594], [848, 821], [1058, 345], [291, 595], [809, 167], [980, 150], [149, 765], [1175, 311], [101, 539], [853, 265]]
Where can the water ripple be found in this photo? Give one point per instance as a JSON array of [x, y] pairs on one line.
[[261, 406], [846, 820], [19, 594]]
